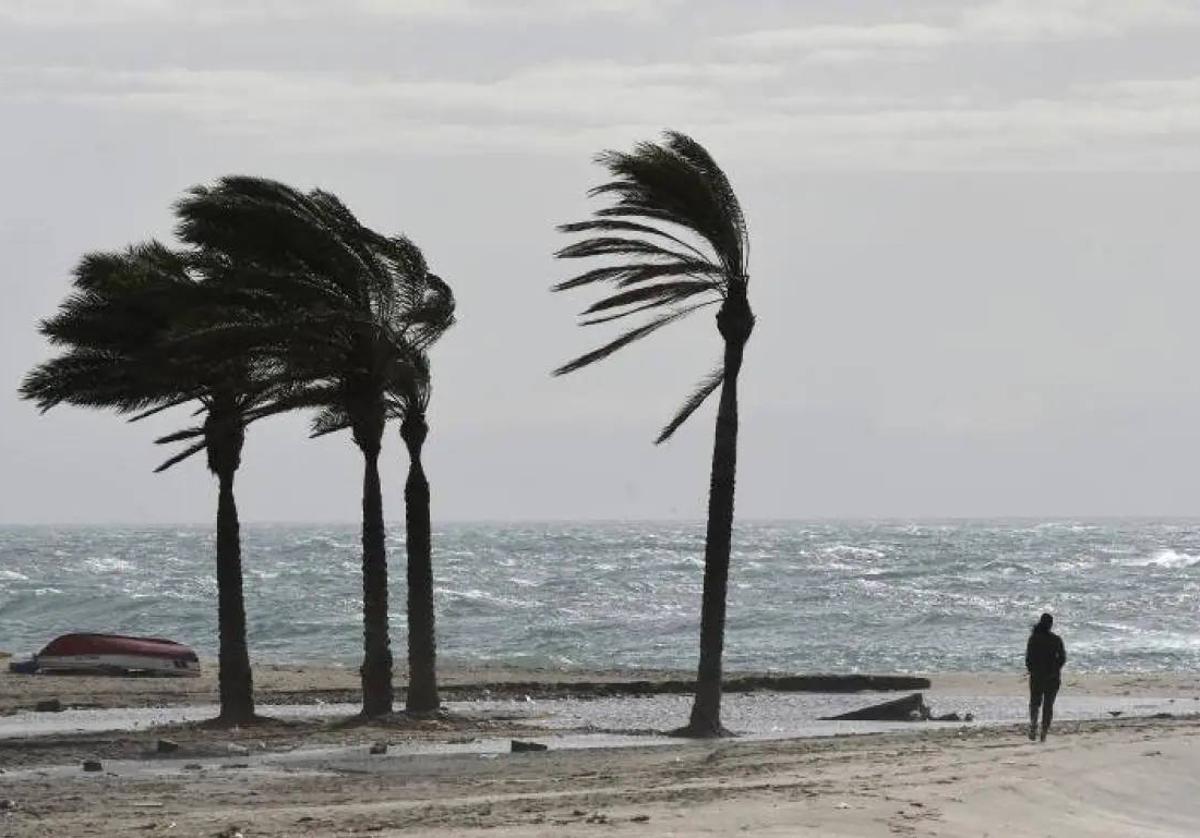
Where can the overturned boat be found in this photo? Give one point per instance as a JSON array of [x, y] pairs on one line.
[[112, 654]]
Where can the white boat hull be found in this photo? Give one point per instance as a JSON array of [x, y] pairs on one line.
[[119, 663]]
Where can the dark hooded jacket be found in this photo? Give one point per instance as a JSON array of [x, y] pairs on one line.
[[1045, 655]]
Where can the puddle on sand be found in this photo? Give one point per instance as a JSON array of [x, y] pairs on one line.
[[762, 715]]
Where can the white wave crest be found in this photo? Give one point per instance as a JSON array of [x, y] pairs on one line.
[[107, 564], [1165, 558], [853, 551]]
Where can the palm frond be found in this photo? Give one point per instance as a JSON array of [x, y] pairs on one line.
[[296, 395], [93, 378], [623, 226], [735, 233], [627, 338], [179, 436], [331, 419], [166, 405], [703, 390], [625, 275], [673, 183], [195, 448], [618, 246], [662, 294], [595, 321], [414, 385]]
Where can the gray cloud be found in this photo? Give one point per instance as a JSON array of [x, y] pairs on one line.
[[755, 90], [972, 227], [570, 107], [1012, 21], [81, 13]]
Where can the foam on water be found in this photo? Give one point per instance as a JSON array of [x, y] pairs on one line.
[[1166, 558], [803, 596]]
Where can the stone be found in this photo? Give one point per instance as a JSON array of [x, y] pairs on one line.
[[379, 748], [92, 765], [49, 705], [167, 746], [519, 747], [910, 708], [239, 750]]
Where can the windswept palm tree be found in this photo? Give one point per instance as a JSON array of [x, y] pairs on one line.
[[411, 402], [352, 313], [678, 242], [118, 331]]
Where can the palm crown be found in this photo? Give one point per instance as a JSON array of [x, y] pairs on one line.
[[680, 241], [347, 311], [121, 330]]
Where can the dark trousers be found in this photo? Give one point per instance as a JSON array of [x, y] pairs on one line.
[[1042, 692]]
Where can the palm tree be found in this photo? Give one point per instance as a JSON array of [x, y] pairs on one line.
[[411, 403], [680, 244], [119, 333], [352, 312]]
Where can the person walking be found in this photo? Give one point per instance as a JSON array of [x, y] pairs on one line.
[[1044, 659]]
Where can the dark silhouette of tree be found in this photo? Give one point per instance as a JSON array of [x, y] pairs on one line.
[[120, 334], [678, 242], [348, 316], [411, 405]]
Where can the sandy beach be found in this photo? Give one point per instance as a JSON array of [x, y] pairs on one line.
[[307, 684], [1117, 776]]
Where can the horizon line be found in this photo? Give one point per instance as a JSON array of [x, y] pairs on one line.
[[755, 519]]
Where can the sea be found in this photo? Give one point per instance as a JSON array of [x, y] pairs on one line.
[[827, 596]]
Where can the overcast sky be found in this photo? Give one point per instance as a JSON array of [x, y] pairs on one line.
[[974, 243]]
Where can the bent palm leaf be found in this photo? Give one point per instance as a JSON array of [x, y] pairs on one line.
[[674, 193]]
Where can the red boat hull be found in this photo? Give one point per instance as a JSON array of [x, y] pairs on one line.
[[117, 653]]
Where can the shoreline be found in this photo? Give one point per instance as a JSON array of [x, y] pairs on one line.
[[325, 684]]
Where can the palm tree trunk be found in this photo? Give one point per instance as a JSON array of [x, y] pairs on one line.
[[377, 652], [422, 644], [236, 686], [735, 322]]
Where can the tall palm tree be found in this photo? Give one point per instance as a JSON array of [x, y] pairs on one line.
[[351, 314], [411, 403], [680, 243], [119, 331]]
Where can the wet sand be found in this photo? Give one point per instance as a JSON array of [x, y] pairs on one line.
[[312, 684], [1119, 778], [282, 684], [1124, 776]]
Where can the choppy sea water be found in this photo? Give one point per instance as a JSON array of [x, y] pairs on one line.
[[831, 597]]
